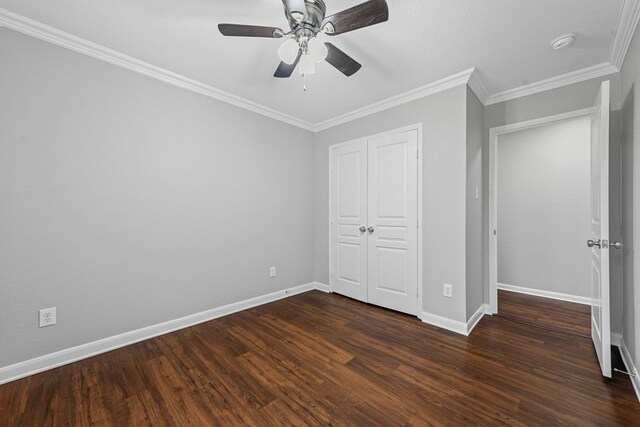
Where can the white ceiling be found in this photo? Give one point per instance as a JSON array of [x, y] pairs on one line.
[[424, 41]]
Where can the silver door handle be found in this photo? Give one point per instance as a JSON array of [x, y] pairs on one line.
[[363, 229], [371, 229], [591, 243], [616, 245]]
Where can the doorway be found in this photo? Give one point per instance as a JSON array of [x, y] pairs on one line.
[[375, 232], [543, 216], [552, 196]]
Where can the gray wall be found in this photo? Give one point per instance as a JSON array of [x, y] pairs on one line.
[[630, 136], [444, 191], [475, 222], [568, 98], [544, 207], [127, 202]]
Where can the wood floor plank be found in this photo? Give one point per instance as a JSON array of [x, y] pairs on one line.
[[561, 316], [319, 359]]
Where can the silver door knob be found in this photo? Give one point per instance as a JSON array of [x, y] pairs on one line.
[[371, 229], [363, 229], [616, 245], [591, 243]]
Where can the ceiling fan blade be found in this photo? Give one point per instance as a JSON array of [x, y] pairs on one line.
[[285, 70], [363, 15], [237, 30], [343, 62], [296, 8]]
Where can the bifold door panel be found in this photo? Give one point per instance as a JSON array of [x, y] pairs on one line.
[[374, 216], [349, 214]]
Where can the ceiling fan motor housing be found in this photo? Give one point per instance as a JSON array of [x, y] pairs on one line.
[[316, 11]]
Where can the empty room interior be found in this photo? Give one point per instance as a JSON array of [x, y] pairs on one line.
[[319, 212]]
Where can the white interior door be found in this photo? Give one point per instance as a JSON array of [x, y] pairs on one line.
[[393, 222], [599, 242], [349, 220]]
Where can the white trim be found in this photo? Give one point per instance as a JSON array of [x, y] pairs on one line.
[[69, 355], [476, 83], [454, 325], [322, 287], [626, 28], [476, 317], [494, 134], [545, 294], [417, 127], [444, 323], [65, 40], [627, 23], [631, 367], [529, 124], [446, 83], [578, 76], [77, 44]]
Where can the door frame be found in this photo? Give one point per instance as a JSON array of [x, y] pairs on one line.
[[492, 223], [417, 127]]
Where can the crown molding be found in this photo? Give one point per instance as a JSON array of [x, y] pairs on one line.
[[450, 82], [476, 83], [627, 23], [578, 76], [626, 28], [52, 35]]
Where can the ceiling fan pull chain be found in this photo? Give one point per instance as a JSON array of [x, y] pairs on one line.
[[304, 85]]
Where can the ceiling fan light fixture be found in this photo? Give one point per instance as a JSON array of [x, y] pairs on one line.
[[307, 65], [288, 52], [317, 50]]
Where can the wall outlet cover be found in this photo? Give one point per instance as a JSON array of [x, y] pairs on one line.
[[272, 272], [47, 317]]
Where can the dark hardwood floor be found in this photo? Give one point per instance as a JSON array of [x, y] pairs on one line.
[[324, 359], [545, 313]]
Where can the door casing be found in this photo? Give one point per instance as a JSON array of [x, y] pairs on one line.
[[417, 127]]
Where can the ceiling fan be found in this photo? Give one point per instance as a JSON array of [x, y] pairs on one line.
[[307, 20]]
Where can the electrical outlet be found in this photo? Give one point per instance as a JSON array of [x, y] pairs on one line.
[[447, 290], [47, 317], [272, 272]]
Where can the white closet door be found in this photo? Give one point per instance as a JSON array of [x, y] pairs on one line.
[[393, 222], [349, 220]]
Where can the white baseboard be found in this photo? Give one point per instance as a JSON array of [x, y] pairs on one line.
[[454, 325], [322, 287], [69, 355], [631, 367], [545, 294], [444, 323], [477, 316]]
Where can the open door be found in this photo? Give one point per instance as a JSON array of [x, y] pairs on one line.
[[599, 242]]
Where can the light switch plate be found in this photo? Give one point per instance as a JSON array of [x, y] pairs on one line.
[[447, 290]]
